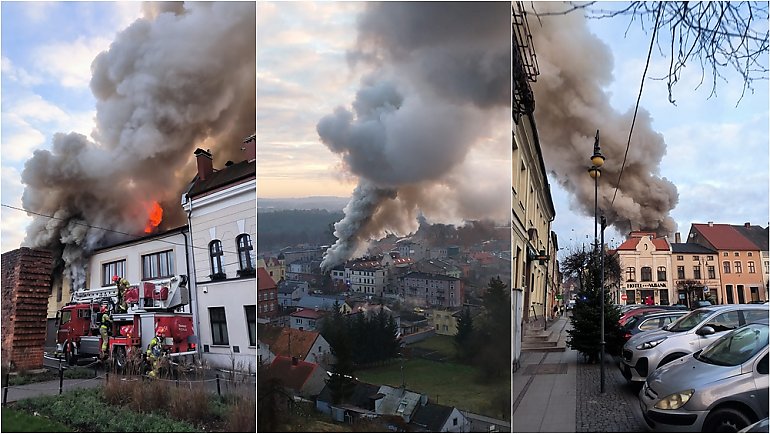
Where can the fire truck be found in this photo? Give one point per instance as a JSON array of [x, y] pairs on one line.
[[152, 306]]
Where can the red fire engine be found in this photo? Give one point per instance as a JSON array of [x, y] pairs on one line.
[[152, 305]]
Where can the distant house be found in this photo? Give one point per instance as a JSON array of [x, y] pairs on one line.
[[360, 403], [306, 319], [399, 402], [267, 294], [304, 379], [290, 291], [426, 289], [439, 418], [320, 302], [445, 321], [308, 346]]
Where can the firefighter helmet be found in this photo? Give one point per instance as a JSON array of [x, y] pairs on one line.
[[161, 331], [103, 308], [115, 278]]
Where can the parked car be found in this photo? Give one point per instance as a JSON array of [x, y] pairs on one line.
[[571, 305], [643, 309], [627, 307], [722, 388], [648, 351], [761, 426], [700, 303], [650, 321]]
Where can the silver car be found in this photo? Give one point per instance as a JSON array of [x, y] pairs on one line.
[[647, 351], [722, 388]]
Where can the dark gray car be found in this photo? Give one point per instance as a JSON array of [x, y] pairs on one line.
[[722, 388]]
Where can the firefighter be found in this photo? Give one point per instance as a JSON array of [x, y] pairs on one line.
[[155, 351], [122, 285], [104, 328]]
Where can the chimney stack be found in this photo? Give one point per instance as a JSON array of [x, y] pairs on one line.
[[250, 147], [677, 238], [747, 225], [205, 164], [711, 224]]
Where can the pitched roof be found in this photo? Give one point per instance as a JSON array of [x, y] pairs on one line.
[[756, 234], [264, 281], [284, 341], [308, 313], [636, 236], [398, 402], [432, 416], [293, 376], [360, 397], [690, 248], [323, 302], [230, 175], [724, 237], [429, 276]]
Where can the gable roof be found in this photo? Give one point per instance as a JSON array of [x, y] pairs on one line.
[[229, 175], [690, 248], [432, 416], [429, 276], [724, 237], [264, 281], [292, 376], [636, 236], [360, 397], [325, 302], [288, 342], [308, 313], [756, 234], [398, 402]]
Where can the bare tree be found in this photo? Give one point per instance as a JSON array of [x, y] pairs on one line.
[[717, 35]]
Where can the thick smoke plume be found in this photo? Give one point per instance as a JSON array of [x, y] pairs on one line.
[[437, 95], [181, 77], [571, 104]]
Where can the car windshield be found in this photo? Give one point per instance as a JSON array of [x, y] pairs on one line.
[[737, 347], [689, 321]]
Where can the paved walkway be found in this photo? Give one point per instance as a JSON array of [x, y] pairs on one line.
[[557, 392]]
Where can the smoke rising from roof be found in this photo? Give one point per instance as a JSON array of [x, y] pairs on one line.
[[437, 95], [571, 105], [183, 76]]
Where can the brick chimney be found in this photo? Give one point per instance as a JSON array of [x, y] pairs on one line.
[[747, 225], [711, 224], [205, 164], [250, 147], [677, 238]]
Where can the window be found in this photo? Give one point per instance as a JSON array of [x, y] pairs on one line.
[[218, 326], [646, 274], [737, 253], [244, 252], [661, 273], [738, 266], [117, 268], [251, 323], [680, 272], [709, 258], [695, 258], [724, 254], [158, 265], [630, 274], [679, 257], [454, 420], [215, 259], [725, 321], [696, 272], [726, 267], [712, 272], [751, 267], [749, 254]]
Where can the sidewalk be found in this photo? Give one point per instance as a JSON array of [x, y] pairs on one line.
[[16, 393], [545, 389]]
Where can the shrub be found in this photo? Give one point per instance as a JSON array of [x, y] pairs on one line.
[[242, 416], [150, 396], [190, 404], [118, 391]]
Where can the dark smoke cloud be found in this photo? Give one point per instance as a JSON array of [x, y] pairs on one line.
[[182, 77], [439, 84], [571, 104]]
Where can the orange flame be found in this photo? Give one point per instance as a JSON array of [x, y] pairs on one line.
[[156, 215]]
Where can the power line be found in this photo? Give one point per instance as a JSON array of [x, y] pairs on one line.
[[134, 237], [638, 99]]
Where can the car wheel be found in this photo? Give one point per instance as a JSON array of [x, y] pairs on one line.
[[726, 420]]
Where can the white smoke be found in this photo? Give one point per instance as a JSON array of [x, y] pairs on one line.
[[437, 95]]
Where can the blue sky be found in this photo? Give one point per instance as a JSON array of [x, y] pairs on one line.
[[47, 49]]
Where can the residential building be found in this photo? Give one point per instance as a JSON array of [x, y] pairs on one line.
[[739, 259], [306, 319], [276, 267], [438, 266], [366, 276], [305, 345], [439, 418], [291, 291], [645, 268], [696, 272], [221, 208], [360, 403], [424, 289], [759, 236], [445, 321], [323, 302], [398, 401], [267, 295], [301, 378]]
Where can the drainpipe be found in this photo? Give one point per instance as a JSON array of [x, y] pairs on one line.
[[190, 256], [545, 285]]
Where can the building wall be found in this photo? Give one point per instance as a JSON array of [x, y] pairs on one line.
[[444, 291], [368, 281], [646, 254], [691, 260], [26, 282], [224, 215], [743, 281], [444, 323]]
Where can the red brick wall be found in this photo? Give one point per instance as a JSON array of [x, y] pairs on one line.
[[26, 284]]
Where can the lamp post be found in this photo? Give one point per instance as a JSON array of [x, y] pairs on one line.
[[597, 159]]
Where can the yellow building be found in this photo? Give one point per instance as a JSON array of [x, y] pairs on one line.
[[445, 321]]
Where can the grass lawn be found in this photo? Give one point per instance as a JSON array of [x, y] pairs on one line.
[[448, 383], [440, 343], [18, 421]]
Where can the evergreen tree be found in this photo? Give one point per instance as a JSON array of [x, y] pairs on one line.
[[493, 355], [585, 335], [463, 339]]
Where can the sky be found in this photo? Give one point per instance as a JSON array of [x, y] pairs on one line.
[[47, 49], [716, 153]]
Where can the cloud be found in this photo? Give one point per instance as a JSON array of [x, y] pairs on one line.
[[19, 139], [38, 11], [18, 74], [13, 221], [70, 62]]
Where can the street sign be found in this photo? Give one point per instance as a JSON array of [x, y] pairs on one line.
[[623, 297], [706, 289]]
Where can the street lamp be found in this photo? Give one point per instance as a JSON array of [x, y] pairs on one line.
[[597, 159]]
